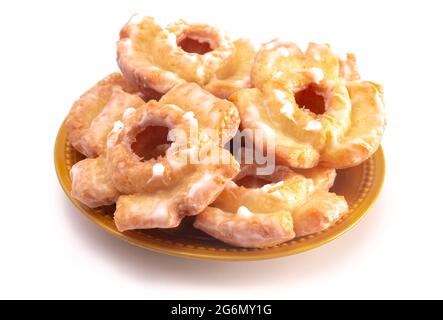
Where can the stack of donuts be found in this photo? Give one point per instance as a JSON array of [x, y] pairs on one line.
[[155, 137]]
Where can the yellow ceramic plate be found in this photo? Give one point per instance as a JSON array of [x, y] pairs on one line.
[[360, 186]]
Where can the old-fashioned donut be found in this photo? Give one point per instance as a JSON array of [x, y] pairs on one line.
[[155, 59], [255, 211], [158, 192], [312, 106]]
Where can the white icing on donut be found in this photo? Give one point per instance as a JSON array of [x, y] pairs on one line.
[[317, 74], [128, 112], [287, 109], [118, 125], [231, 184], [278, 184], [281, 95], [313, 125], [113, 135], [200, 72], [278, 74], [171, 40], [158, 169], [284, 52], [278, 194], [244, 212], [190, 116], [334, 214], [73, 172]]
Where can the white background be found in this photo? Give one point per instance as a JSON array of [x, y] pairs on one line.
[[50, 52]]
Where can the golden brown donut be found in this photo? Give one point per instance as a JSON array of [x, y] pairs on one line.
[[312, 106], [155, 59], [167, 185], [249, 213], [247, 229], [93, 115]]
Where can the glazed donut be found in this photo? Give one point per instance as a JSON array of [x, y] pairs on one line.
[[156, 59], [313, 106], [246, 229], [290, 205], [91, 185], [211, 112], [165, 185], [93, 115]]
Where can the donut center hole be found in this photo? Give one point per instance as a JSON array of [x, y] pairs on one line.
[[251, 182], [309, 99], [151, 143], [195, 45]]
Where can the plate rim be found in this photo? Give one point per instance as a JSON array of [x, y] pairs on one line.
[[219, 254]]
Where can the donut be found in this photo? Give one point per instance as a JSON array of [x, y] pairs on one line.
[[291, 205], [91, 184], [212, 113], [247, 229], [164, 184], [93, 115], [312, 106], [155, 59]]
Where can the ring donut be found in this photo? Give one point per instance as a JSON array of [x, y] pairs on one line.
[[313, 106], [93, 115], [290, 205], [156, 59], [163, 187]]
